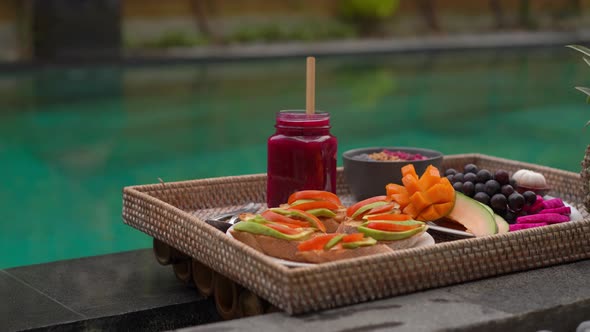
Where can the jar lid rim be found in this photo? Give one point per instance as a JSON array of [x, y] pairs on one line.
[[301, 116]]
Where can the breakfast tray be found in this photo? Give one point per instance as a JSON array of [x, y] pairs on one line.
[[174, 214]]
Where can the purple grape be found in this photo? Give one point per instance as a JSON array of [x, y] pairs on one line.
[[498, 202], [470, 168], [483, 175], [458, 177], [507, 190], [516, 202], [492, 187], [512, 182], [469, 177], [510, 217], [450, 171], [480, 187], [468, 188], [502, 177], [529, 197], [482, 197]]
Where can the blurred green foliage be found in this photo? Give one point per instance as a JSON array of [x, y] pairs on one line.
[[367, 9], [172, 39], [367, 15], [305, 32], [586, 52], [267, 32], [270, 32]]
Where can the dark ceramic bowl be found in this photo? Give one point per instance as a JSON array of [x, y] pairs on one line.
[[369, 178]]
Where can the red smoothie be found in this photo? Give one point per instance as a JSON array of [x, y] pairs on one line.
[[301, 155]]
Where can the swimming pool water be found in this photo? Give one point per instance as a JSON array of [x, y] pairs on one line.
[[72, 137]]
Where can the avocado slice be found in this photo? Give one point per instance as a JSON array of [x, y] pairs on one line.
[[390, 236], [257, 219], [410, 222], [301, 201], [367, 207], [322, 212], [295, 213], [334, 241], [256, 228], [368, 241]]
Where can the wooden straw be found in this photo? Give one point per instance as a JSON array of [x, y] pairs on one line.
[[310, 93]]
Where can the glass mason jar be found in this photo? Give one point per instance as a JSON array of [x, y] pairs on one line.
[[301, 155]]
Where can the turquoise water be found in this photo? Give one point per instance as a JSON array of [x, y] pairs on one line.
[[71, 138]]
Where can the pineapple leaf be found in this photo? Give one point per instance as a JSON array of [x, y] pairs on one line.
[[584, 90], [580, 48], [587, 61]]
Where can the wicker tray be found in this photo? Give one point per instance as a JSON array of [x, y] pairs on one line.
[[174, 213]]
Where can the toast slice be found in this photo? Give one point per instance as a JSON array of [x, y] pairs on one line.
[[269, 245], [322, 256]]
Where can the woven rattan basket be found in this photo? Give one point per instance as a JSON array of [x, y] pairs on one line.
[[174, 213]]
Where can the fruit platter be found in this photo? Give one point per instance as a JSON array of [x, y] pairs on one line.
[[314, 226], [539, 222], [517, 202], [389, 222]]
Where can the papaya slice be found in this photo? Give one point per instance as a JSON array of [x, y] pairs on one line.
[[429, 213], [411, 210], [428, 197], [411, 184], [430, 178], [420, 201], [394, 188], [402, 199], [409, 170], [443, 209], [440, 193]]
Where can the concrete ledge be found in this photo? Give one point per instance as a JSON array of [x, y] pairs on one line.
[[130, 291], [365, 46], [442, 43], [125, 291], [554, 299]]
